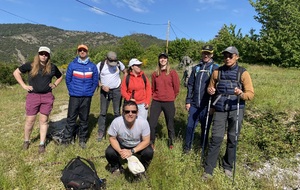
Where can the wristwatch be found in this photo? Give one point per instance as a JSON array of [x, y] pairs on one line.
[[132, 151]]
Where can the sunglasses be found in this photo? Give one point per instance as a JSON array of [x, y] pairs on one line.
[[128, 111], [44, 53], [112, 60], [228, 55], [80, 50], [137, 65]]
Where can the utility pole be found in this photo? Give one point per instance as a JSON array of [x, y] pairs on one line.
[[168, 30]]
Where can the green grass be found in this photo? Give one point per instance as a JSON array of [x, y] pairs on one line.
[[276, 91]]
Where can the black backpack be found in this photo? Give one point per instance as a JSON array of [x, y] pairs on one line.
[[80, 173]]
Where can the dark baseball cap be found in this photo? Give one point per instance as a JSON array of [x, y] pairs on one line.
[[207, 48], [163, 54], [231, 49]]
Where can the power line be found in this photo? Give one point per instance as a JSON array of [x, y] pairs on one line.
[[181, 30], [19, 16], [111, 14]]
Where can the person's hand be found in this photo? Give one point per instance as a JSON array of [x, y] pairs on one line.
[[187, 107], [52, 85], [132, 99], [146, 106], [238, 91], [28, 88], [211, 90], [105, 88], [125, 153]]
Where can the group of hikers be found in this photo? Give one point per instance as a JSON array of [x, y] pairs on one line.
[[214, 95]]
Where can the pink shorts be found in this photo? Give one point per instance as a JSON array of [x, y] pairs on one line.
[[42, 103]]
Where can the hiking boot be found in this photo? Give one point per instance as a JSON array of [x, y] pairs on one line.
[[82, 144], [42, 148], [186, 151], [206, 176], [228, 173], [26, 145], [100, 136]]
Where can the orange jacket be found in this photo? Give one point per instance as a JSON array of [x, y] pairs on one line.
[[136, 84]]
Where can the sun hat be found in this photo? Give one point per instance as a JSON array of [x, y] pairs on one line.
[[82, 46], [134, 165], [44, 48], [231, 49], [207, 48], [163, 54], [134, 61], [112, 59]]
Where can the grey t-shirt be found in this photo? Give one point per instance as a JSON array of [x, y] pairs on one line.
[[129, 137]]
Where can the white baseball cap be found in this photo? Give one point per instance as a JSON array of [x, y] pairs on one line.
[[44, 48], [134, 165], [134, 61]]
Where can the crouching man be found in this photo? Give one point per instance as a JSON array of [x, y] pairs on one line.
[[128, 135]]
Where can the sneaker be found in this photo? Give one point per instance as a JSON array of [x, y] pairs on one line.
[[100, 136], [206, 176], [82, 144], [42, 148], [26, 145], [228, 173]]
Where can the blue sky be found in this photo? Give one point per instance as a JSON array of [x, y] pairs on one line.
[[190, 19]]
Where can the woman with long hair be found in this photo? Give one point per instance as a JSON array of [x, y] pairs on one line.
[[165, 88], [39, 98]]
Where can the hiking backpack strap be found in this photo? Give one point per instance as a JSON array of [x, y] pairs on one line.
[[143, 76]]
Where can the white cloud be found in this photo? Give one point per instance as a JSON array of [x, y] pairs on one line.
[[210, 1], [138, 5]]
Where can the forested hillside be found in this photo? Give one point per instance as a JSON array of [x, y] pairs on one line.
[[21, 41]]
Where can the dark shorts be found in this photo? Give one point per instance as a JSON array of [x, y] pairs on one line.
[[42, 103]]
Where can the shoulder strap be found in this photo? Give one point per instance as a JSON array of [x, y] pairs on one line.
[[143, 76], [101, 66]]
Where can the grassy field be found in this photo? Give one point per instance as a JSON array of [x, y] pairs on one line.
[[276, 90]]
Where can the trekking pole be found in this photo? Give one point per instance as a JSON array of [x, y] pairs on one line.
[[236, 137], [205, 130]]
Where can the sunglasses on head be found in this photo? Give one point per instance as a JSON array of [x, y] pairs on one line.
[[44, 53], [228, 55], [128, 111], [80, 50]]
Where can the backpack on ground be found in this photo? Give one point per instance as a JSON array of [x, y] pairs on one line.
[[80, 173]]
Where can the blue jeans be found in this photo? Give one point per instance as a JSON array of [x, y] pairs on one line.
[[197, 115], [113, 95], [218, 132]]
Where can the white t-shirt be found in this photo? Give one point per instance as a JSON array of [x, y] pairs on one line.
[[110, 75], [129, 137]]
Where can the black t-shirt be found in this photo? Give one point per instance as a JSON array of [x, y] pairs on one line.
[[40, 82]]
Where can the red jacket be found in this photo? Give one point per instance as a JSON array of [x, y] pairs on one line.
[[136, 84], [165, 87]]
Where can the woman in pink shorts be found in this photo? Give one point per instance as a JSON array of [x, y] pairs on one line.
[[39, 98]]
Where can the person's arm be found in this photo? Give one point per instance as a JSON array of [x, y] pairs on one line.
[[17, 74], [176, 83], [143, 144], [57, 81], [211, 89], [115, 143], [248, 90]]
